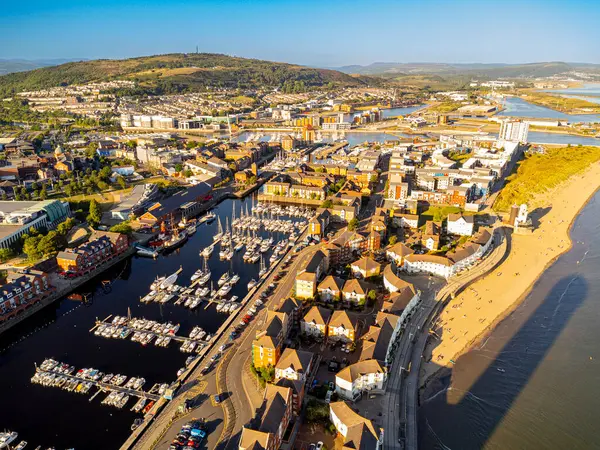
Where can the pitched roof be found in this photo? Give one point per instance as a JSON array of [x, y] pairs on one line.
[[362, 433], [429, 258], [398, 301], [458, 216], [482, 237], [396, 281], [306, 276], [298, 360], [289, 305], [360, 368], [341, 318], [400, 249], [332, 283], [67, 255], [375, 341], [463, 252], [356, 286], [317, 315], [366, 263], [253, 439], [274, 406]]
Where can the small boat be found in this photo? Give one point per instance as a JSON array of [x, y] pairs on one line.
[[7, 438], [137, 422], [209, 217], [234, 279], [225, 290], [499, 369], [252, 283], [143, 251], [224, 279], [208, 251], [263, 269], [21, 445], [190, 229]]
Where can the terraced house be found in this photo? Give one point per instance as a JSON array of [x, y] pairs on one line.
[[342, 327], [358, 433], [102, 247], [362, 376], [22, 290], [315, 321], [266, 347], [270, 422]]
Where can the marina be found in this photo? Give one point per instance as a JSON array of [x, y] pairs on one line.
[[52, 373], [145, 331], [65, 325]]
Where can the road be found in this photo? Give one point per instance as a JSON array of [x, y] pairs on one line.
[[240, 385], [394, 404], [402, 393]]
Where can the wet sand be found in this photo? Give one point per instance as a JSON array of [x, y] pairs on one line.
[[473, 314]]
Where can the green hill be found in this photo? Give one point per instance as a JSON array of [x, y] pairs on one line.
[[177, 73]]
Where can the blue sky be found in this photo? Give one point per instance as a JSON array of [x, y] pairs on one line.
[[324, 33]]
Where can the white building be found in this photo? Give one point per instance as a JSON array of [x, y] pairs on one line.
[[359, 377], [359, 433], [459, 224], [514, 131], [436, 265]]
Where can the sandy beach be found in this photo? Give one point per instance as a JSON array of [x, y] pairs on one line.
[[473, 314]]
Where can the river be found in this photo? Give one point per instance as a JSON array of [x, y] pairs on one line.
[[49, 416], [517, 107], [544, 396]]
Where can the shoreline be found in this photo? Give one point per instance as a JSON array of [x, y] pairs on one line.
[[434, 370]]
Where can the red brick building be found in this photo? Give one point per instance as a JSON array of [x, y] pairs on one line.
[[22, 290]]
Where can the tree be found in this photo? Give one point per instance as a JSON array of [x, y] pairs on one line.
[[91, 149], [43, 193], [5, 254], [178, 168], [393, 239], [372, 295], [105, 173], [48, 244], [353, 224], [188, 173], [327, 204], [94, 215], [123, 228], [64, 227], [30, 248], [121, 182]]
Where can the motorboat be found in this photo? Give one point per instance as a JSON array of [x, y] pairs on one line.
[[225, 290], [208, 251], [252, 283], [224, 278], [7, 438], [234, 279]]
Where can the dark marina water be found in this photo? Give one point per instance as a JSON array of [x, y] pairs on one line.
[[50, 416], [548, 396]]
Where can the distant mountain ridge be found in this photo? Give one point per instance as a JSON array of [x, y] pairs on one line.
[[178, 72], [540, 69], [22, 65]]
